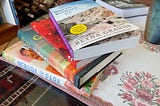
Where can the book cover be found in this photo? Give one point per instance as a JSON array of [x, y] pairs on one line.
[[21, 88], [125, 8], [47, 31], [25, 58], [82, 23]]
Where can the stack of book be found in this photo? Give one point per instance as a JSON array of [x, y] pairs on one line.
[[73, 45]]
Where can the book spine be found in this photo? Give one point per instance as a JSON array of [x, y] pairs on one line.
[[47, 52], [55, 23]]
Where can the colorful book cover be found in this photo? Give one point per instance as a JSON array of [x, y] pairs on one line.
[[47, 30], [82, 23], [25, 58], [47, 52], [21, 88]]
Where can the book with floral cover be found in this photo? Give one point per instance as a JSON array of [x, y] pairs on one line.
[[83, 24], [20, 55]]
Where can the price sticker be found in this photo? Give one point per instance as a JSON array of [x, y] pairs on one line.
[[78, 29]]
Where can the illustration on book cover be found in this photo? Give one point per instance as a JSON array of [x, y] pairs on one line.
[[88, 22], [88, 29]]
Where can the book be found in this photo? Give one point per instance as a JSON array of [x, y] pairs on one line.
[[48, 32], [20, 55], [64, 67], [86, 28], [17, 84], [125, 8]]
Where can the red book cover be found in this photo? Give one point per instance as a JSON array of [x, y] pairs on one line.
[[47, 31]]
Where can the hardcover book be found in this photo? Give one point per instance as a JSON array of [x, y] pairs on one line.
[[20, 55], [83, 24], [125, 8], [49, 54]]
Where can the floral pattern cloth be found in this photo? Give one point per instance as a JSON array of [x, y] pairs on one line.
[[134, 80], [140, 89]]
